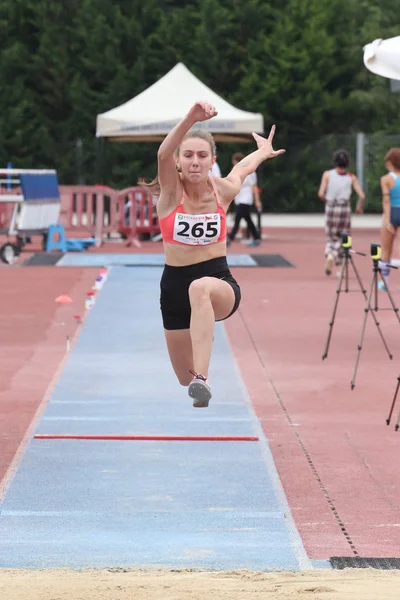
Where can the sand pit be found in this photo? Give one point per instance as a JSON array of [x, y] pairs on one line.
[[121, 584]]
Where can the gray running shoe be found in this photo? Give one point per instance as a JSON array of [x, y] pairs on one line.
[[200, 391]]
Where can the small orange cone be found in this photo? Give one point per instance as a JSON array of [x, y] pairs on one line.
[[64, 300]]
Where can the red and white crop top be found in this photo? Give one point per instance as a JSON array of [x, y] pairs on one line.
[[184, 229]]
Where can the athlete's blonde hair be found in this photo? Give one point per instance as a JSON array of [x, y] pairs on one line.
[[154, 186]]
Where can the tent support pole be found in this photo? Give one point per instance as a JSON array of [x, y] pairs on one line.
[[99, 160]]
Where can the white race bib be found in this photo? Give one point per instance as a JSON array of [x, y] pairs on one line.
[[196, 230]]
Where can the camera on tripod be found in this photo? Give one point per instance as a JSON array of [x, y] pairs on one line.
[[346, 240], [371, 307], [375, 251]]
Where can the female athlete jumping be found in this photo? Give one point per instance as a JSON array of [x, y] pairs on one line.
[[197, 287]]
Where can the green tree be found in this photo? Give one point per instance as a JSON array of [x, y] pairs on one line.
[[298, 62]]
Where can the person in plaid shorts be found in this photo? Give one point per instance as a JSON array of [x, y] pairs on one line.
[[335, 190]]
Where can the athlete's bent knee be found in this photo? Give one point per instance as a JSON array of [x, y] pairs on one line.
[[199, 290]]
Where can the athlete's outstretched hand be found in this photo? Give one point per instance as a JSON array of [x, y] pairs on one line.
[[265, 144], [202, 111]]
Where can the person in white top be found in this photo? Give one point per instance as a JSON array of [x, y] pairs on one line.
[[215, 171], [335, 190], [244, 200]]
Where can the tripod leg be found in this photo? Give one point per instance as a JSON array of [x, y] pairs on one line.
[[394, 402], [396, 427], [346, 272], [366, 310], [358, 278], [331, 323], [372, 311], [395, 309]]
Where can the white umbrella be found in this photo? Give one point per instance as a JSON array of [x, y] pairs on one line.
[[382, 57]]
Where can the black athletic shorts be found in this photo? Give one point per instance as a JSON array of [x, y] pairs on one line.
[[174, 285], [395, 216]]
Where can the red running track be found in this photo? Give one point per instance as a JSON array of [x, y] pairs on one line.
[[336, 457], [33, 343]]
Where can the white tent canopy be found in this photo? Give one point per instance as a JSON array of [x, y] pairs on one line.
[[382, 57], [156, 110]]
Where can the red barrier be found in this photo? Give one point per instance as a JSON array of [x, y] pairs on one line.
[[7, 210], [101, 210], [6, 213], [135, 213], [87, 208]]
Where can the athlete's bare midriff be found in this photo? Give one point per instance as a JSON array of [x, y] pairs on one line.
[[182, 256]]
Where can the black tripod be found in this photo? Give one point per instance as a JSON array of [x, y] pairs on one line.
[[344, 276], [392, 407], [373, 289]]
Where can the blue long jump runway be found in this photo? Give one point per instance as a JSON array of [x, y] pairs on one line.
[[73, 259], [101, 503]]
